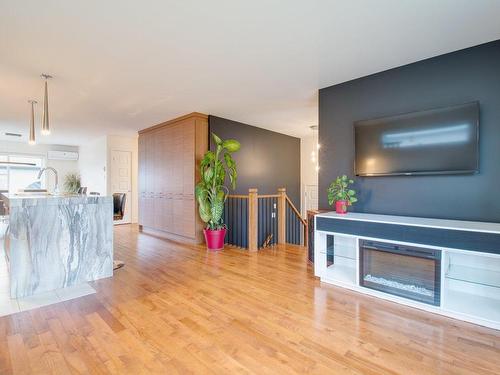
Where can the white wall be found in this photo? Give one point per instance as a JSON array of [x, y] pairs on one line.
[[92, 165], [63, 167], [308, 173], [95, 162], [120, 143]]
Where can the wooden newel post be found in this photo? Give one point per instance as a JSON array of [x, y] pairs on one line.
[[253, 212], [281, 215]]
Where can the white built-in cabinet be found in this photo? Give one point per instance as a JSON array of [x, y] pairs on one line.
[[469, 282]]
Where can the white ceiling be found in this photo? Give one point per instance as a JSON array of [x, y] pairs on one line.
[[120, 66]]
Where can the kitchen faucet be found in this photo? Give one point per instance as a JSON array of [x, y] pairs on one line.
[[56, 187]]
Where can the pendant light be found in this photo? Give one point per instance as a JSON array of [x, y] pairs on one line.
[[32, 122], [45, 116], [316, 147]]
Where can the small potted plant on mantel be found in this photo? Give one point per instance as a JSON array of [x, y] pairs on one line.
[[211, 193], [340, 194]]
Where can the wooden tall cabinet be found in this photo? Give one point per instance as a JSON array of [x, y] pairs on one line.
[[169, 155]]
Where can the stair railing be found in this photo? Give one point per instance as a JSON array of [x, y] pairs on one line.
[[257, 221], [296, 226], [237, 218]]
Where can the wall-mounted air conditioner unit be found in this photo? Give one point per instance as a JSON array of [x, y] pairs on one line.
[[62, 155]]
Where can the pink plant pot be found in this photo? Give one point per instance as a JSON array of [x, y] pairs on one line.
[[341, 207], [214, 239]]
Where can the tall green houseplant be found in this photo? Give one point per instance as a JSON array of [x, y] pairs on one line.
[[210, 192]]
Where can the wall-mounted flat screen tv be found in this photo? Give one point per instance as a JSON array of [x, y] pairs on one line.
[[437, 141]]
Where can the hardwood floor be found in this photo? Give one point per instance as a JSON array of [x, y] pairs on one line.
[[175, 309]]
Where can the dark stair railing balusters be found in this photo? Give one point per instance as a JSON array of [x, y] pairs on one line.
[[254, 221], [235, 214]]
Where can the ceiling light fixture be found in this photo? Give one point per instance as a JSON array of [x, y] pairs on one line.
[[45, 116], [32, 140]]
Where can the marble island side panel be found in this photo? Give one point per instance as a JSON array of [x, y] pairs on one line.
[[58, 241]]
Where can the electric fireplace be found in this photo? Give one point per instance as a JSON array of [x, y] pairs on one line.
[[405, 271]]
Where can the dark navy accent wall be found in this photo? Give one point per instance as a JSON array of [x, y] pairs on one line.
[[267, 160], [464, 76]]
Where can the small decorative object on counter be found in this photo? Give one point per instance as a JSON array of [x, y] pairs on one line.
[[340, 194], [72, 182]]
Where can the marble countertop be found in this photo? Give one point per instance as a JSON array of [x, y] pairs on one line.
[[57, 241], [26, 199]]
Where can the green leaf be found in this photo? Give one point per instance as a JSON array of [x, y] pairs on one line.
[[231, 145], [217, 209], [199, 190], [207, 159], [221, 195], [208, 175], [234, 176], [209, 156], [204, 210], [217, 140], [229, 160]]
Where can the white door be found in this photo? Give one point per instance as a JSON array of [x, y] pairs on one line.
[[310, 197], [121, 180]]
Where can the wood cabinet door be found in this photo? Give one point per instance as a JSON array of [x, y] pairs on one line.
[[142, 164], [142, 208], [165, 156], [178, 213], [176, 145], [150, 166], [145, 182], [158, 144], [188, 159], [147, 217], [141, 178], [188, 217], [168, 214]]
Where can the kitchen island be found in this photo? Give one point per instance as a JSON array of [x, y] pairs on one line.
[[57, 241]]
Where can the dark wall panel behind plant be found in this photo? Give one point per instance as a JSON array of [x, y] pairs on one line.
[[468, 75], [267, 160]]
